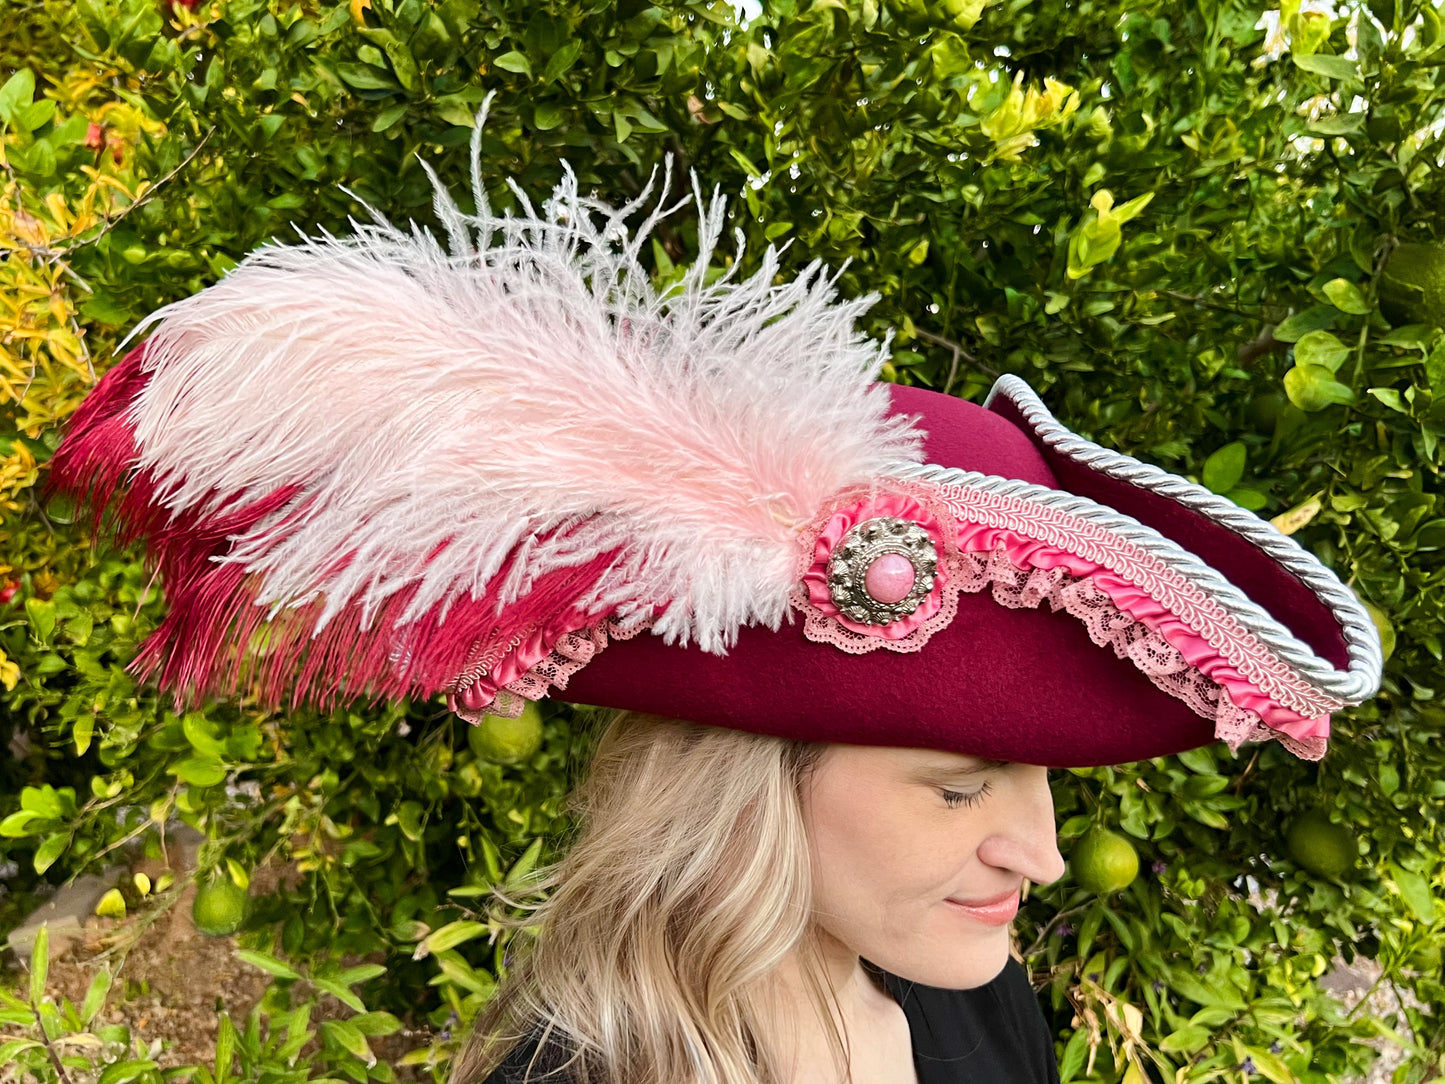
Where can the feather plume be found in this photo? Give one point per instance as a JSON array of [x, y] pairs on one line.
[[361, 461]]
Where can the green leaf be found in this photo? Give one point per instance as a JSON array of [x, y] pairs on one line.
[[1322, 349], [365, 77], [1312, 388], [340, 992], [1391, 398], [1332, 67], [1185, 1040], [16, 826], [18, 91], [1272, 1067], [563, 59], [39, 965], [1224, 469], [514, 62], [1311, 319], [1415, 891], [1076, 1051], [450, 936], [226, 1038], [11, 1050], [1248, 497], [200, 732], [49, 850], [41, 613], [374, 1024], [389, 116], [199, 771], [459, 972], [364, 973], [268, 964], [409, 820], [524, 866], [404, 64], [83, 732], [349, 1037], [1345, 296], [111, 905], [95, 996], [124, 1072], [547, 115], [1337, 124], [43, 801]]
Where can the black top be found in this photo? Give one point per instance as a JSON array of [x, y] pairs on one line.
[[994, 1034]]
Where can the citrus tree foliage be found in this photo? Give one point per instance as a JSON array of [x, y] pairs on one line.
[[1176, 221]]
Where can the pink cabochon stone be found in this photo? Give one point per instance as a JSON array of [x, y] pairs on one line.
[[890, 577]]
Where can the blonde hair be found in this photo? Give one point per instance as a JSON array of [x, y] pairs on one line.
[[688, 884]]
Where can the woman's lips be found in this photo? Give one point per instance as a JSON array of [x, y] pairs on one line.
[[999, 911]]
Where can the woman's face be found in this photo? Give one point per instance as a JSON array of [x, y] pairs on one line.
[[919, 856]]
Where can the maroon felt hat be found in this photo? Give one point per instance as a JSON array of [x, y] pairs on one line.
[[1018, 676], [517, 468]]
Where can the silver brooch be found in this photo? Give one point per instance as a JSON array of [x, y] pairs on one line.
[[882, 570]]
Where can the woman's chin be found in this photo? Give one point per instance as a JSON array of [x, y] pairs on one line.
[[962, 966]]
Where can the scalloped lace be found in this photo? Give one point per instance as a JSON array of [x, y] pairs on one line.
[[825, 629], [570, 654], [1108, 626]]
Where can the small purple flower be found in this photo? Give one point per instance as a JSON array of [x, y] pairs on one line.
[[1160, 868], [1275, 1047], [1158, 987], [1247, 1067], [1063, 929]]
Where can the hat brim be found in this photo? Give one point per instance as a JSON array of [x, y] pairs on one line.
[[1023, 684]]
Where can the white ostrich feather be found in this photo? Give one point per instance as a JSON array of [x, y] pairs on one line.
[[445, 405]]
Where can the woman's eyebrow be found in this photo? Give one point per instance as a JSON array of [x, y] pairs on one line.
[[979, 767]]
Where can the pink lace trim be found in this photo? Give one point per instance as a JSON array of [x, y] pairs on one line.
[[1108, 626], [1209, 635], [569, 653], [823, 622]]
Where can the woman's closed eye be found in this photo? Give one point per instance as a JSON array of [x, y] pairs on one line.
[[955, 798]]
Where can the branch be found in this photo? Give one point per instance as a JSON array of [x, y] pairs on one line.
[[149, 194], [1260, 345], [1049, 926], [50, 1048], [1206, 303], [1244, 775], [958, 352]]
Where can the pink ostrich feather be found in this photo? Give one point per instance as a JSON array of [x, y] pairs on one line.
[[360, 461]]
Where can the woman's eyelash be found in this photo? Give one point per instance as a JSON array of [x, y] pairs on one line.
[[955, 798]]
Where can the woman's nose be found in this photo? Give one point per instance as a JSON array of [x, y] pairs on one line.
[[1026, 840]]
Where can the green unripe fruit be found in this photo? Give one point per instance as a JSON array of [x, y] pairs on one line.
[[1104, 861], [1412, 285], [219, 908], [1319, 845], [508, 741]]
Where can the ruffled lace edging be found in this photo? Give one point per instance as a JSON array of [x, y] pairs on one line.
[[1108, 626], [569, 654], [824, 622]]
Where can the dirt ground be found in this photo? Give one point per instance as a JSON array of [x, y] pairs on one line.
[[173, 982]]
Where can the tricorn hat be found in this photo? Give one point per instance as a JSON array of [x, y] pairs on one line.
[[515, 465]]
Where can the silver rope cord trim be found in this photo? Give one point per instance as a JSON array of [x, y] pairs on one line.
[[1357, 683]]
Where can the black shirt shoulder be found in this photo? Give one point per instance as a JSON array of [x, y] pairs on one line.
[[992, 1034]]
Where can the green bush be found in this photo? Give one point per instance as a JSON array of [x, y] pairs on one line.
[[1172, 219]]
